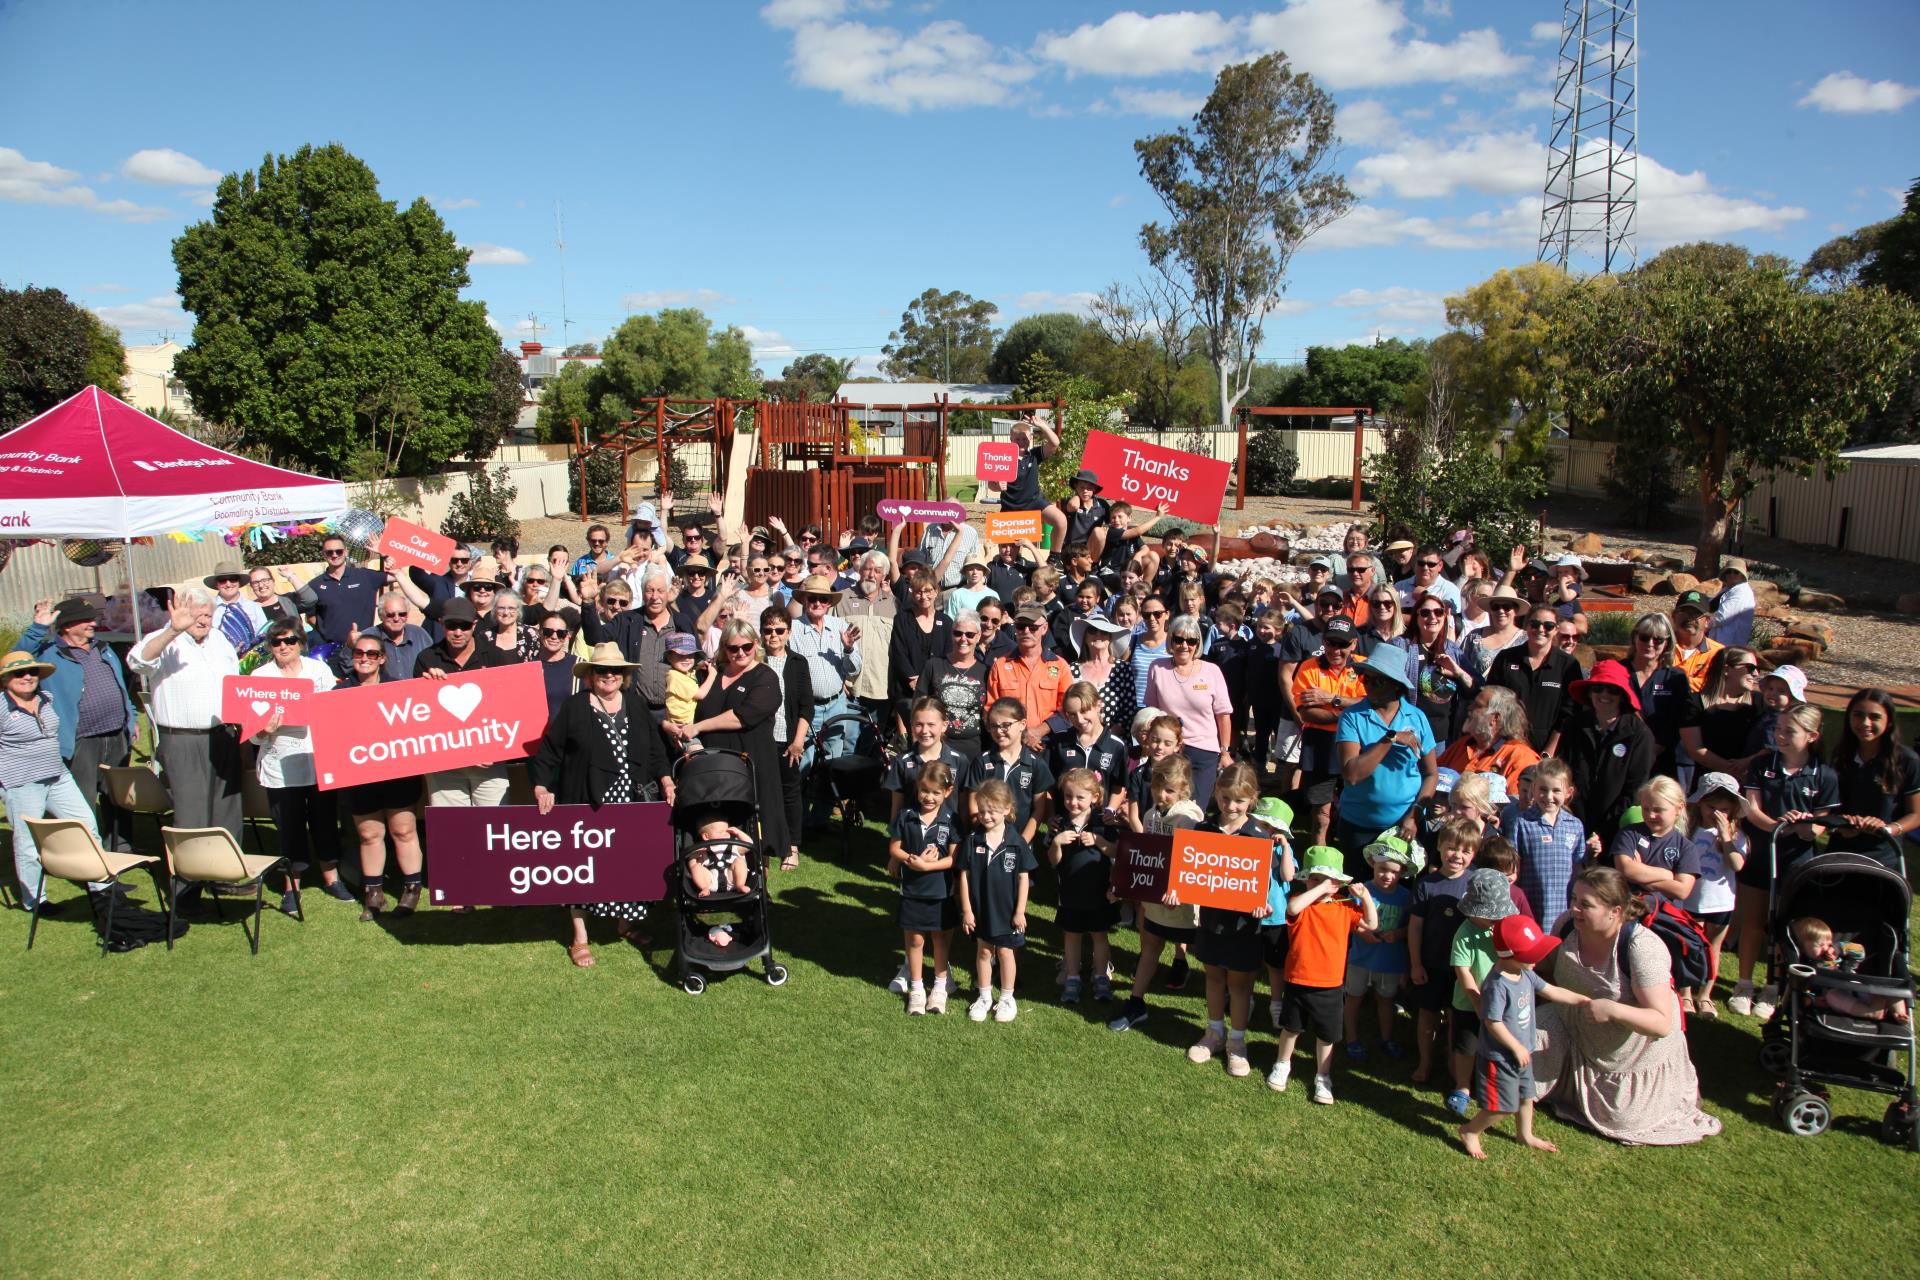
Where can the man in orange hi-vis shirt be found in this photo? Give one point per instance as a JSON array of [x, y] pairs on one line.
[[1323, 686], [1029, 676], [1693, 649]]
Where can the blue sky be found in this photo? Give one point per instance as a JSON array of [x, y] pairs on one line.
[[804, 168]]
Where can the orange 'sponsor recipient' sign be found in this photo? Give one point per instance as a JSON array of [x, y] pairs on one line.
[[997, 461], [1147, 475], [1012, 526], [409, 727], [414, 547]]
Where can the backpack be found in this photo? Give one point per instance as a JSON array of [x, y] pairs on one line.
[[1684, 939]]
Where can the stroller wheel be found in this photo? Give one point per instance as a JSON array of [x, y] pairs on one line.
[[776, 975], [1778, 1104], [1806, 1115], [1901, 1127], [1775, 1055], [693, 984]]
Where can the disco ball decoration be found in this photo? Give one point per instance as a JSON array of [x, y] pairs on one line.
[[359, 527], [6, 552], [89, 553]]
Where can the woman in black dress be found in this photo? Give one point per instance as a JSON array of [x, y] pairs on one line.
[[790, 722], [737, 715], [1714, 728], [598, 749], [919, 636]]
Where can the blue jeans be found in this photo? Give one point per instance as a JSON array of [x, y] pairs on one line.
[[828, 745], [59, 798]]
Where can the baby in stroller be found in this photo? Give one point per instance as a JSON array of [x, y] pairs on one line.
[[1814, 937], [721, 853]]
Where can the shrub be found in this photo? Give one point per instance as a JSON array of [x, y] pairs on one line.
[[1425, 491], [1271, 464], [1645, 475], [606, 483], [303, 549], [484, 513], [1610, 628]]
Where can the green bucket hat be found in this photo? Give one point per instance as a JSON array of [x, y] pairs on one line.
[[1325, 860], [1630, 815], [1275, 812], [1389, 847]]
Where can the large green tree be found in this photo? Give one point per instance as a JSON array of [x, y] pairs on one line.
[[50, 347], [675, 352], [1742, 364], [1895, 264], [1508, 370], [1243, 188], [943, 337], [1056, 333], [329, 325], [1384, 376], [814, 377], [1141, 339]]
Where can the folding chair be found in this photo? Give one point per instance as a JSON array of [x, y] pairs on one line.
[[70, 851], [211, 856]]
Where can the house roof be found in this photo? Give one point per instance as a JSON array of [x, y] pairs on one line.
[[1907, 453]]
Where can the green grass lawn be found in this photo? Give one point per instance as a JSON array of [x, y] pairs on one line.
[[446, 1096]]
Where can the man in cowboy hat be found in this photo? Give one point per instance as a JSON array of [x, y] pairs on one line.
[[830, 645], [89, 691], [238, 619]]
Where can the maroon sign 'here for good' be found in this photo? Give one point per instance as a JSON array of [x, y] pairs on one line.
[[516, 856]]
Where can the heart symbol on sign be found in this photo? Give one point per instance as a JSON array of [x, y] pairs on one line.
[[260, 708], [459, 700]]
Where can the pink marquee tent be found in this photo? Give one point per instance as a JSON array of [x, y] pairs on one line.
[[96, 467]]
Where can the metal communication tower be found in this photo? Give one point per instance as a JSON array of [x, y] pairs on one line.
[[1593, 152]]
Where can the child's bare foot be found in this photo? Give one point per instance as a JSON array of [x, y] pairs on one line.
[[1471, 1141], [1421, 1074], [704, 893], [1539, 1144]]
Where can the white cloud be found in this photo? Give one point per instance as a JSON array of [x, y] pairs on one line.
[[166, 167], [1366, 226], [204, 199], [1291, 307], [1845, 93], [797, 13], [1366, 123], [1544, 31], [1116, 201], [1677, 207], [1493, 163], [1171, 103], [494, 324], [1035, 301], [1348, 44], [768, 344], [24, 181], [494, 255], [1132, 44], [153, 316], [444, 204], [1399, 309], [654, 299], [941, 65], [1436, 8], [1531, 100]]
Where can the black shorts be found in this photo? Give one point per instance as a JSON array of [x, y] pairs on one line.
[[1317, 1008], [1011, 941], [1167, 932], [927, 915], [1433, 995], [1466, 1031], [379, 797], [1091, 918], [1713, 919], [1319, 788], [1238, 951], [1275, 941]]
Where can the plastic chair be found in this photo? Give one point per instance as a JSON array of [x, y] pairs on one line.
[[70, 851], [211, 856], [138, 789]]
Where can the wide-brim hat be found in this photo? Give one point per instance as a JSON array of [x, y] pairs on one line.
[[695, 564], [1388, 846], [1085, 476], [1325, 860], [73, 610], [1508, 594], [1609, 672], [1733, 564], [603, 656], [1101, 623], [20, 661], [1724, 783], [975, 560], [819, 584], [1389, 662], [226, 569], [1275, 812], [1489, 895], [1398, 544]]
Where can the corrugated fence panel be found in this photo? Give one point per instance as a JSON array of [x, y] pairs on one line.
[[41, 572]]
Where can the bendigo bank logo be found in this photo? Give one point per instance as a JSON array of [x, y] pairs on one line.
[[175, 464]]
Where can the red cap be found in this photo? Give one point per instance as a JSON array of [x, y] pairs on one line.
[[1519, 937]]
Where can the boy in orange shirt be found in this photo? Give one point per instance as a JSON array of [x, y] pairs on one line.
[[1321, 919]]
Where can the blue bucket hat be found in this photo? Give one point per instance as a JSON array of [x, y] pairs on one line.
[[1388, 662]]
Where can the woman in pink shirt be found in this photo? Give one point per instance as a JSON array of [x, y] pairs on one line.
[[1195, 693]]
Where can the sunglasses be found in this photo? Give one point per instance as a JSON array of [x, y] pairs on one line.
[[371, 655], [459, 559], [1338, 646], [1744, 666], [257, 583], [596, 542], [1502, 608], [1430, 613], [333, 551], [1541, 626], [536, 582], [1153, 613], [1388, 605], [1026, 624], [401, 614], [484, 587], [1183, 641], [221, 582], [1429, 564], [456, 626], [282, 642], [560, 633], [1653, 640], [741, 648], [773, 631], [966, 635]]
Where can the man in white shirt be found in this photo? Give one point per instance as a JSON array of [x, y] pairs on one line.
[[1732, 621], [199, 757], [948, 544]]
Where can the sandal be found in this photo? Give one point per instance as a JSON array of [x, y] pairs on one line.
[[630, 932], [791, 862], [581, 954]]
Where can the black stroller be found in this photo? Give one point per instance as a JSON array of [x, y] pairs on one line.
[[1867, 903], [712, 785], [851, 782]]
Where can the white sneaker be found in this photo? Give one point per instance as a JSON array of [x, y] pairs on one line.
[[899, 984], [1741, 1001], [982, 1005], [937, 999], [1277, 1078], [1237, 1064], [917, 1000], [1006, 1009], [1323, 1090], [1763, 1004], [1209, 1044]]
